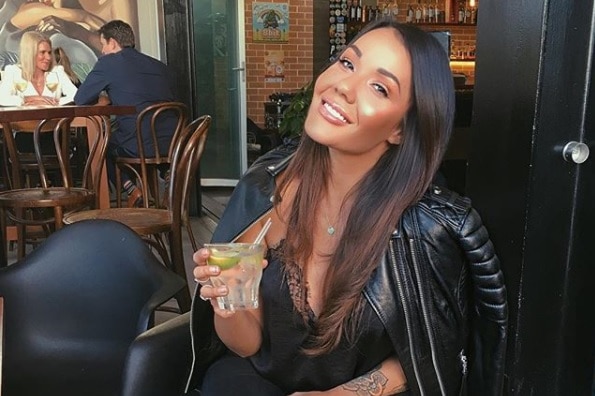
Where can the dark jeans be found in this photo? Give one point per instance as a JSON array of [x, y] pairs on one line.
[[113, 151], [231, 376]]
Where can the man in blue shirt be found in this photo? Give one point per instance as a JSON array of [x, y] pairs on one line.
[[129, 78]]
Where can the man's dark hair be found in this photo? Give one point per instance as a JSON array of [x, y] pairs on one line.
[[119, 31]]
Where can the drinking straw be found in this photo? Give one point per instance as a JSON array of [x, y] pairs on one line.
[[263, 232]]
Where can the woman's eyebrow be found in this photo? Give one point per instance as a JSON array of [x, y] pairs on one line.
[[388, 74], [357, 51]]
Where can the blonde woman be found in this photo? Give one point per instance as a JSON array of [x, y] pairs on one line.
[[32, 75], [29, 83]]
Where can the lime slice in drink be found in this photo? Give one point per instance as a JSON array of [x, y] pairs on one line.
[[224, 260]]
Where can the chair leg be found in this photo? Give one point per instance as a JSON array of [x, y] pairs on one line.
[[21, 230], [118, 187], [155, 182], [3, 238], [177, 259]]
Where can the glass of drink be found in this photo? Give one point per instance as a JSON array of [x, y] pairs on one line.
[[241, 271], [20, 86], [52, 83]]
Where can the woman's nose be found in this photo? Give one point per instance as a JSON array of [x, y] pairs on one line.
[[346, 88]]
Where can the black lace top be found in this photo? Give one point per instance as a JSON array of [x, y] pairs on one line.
[[280, 359]]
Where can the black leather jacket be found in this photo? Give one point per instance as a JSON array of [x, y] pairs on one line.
[[439, 290]]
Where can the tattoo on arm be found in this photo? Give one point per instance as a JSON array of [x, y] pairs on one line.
[[398, 389], [371, 384]]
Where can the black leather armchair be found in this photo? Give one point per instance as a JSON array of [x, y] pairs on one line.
[[73, 307], [159, 360]]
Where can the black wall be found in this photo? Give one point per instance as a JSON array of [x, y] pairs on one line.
[[532, 95]]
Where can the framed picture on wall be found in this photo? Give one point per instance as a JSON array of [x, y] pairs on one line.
[[270, 22]]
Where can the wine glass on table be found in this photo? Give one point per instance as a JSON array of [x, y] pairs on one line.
[[20, 85], [53, 84]]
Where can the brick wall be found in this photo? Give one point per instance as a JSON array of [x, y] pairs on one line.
[[298, 57]]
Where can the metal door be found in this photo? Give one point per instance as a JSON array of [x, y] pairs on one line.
[[220, 87]]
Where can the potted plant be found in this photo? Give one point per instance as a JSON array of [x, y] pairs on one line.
[[294, 116]]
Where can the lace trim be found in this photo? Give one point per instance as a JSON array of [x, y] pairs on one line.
[[298, 287]]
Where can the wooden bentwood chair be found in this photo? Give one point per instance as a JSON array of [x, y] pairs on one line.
[[151, 223], [45, 206], [145, 167]]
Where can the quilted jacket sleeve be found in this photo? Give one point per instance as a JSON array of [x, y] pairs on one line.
[[490, 314]]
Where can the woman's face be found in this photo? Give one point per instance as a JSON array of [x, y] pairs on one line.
[[43, 59], [359, 102]]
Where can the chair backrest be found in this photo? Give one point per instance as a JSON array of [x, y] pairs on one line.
[[186, 157], [148, 124], [74, 305], [61, 137], [16, 158]]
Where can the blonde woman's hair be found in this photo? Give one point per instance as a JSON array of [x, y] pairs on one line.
[[28, 52]]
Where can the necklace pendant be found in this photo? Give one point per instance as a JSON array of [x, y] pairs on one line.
[[330, 230]]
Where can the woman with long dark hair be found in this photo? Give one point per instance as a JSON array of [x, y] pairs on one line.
[[377, 281]]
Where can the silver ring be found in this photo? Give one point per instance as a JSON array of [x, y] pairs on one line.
[[203, 282], [204, 298]]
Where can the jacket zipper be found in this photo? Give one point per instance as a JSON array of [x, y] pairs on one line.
[[407, 318], [463, 359], [424, 309]]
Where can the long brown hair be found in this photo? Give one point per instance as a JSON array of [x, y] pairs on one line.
[[398, 180], [63, 60]]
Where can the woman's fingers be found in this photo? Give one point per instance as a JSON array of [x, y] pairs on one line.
[[210, 292]]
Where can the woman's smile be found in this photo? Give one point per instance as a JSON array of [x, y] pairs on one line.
[[333, 113]]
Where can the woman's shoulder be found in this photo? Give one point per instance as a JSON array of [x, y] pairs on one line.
[[12, 68], [443, 206]]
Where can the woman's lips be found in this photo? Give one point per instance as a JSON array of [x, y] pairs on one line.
[[332, 114]]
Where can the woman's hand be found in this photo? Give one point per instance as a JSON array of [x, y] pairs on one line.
[[36, 100], [203, 273], [240, 331]]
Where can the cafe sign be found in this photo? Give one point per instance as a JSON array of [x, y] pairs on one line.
[[270, 22]]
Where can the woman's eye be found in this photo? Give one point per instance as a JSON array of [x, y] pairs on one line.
[[346, 63], [380, 89]]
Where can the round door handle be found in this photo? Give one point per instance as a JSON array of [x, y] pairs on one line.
[[575, 152]]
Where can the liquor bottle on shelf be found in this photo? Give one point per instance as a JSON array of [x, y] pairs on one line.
[[424, 13], [409, 14], [438, 13], [395, 9], [461, 12], [467, 14], [385, 9], [454, 13], [359, 11], [431, 13], [353, 11], [418, 12]]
